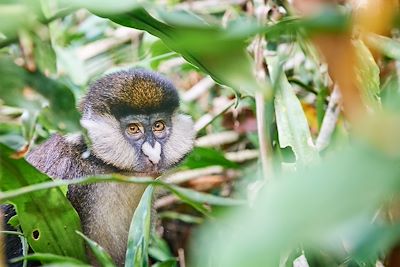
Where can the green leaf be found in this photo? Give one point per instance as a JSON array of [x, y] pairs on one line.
[[13, 17], [45, 57], [187, 218], [35, 210], [190, 196], [376, 240], [50, 258], [159, 52], [169, 263], [101, 255], [202, 157], [159, 249], [17, 84], [139, 231], [312, 207], [219, 52], [385, 45], [293, 129], [367, 72], [391, 93]]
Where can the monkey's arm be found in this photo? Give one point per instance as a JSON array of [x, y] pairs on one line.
[[58, 157]]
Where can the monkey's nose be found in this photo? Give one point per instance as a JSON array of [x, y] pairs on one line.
[[152, 153]]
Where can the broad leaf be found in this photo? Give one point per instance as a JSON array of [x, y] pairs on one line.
[[16, 88], [35, 210], [367, 72], [291, 121], [219, 52], [101, 255], [385, 45], [190, 196], [202, 157], [314, 207], [139, 231]]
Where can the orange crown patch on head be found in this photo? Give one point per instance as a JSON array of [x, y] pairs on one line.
[[134, 91]]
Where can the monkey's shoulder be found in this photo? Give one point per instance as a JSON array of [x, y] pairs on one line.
[[66, 157]]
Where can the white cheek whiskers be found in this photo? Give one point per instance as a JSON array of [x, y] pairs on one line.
[[108, 143], [181, 139]]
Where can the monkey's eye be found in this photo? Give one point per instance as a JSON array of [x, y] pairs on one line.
[[133, 128], [159, 126]]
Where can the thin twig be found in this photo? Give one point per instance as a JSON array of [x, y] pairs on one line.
[[329, 121], [198, 89], [218, 139], [184, 176], [203, 123], [11, 233], [242, 155], [101, 46], [303, 85], [207, 119], [165, 201], [262, 135], [181, 257]]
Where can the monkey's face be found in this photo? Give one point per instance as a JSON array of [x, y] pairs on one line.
[[144, 144], [133, 122]]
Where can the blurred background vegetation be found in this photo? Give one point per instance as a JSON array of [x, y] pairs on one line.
[[296, 104]]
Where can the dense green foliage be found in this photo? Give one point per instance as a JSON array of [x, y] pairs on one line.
[[272, 192]]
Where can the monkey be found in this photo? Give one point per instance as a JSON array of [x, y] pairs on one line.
[[135, 127]]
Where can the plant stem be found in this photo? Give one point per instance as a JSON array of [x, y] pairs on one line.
[[11, 233], [329, 121], [262, 129], [57, 183]]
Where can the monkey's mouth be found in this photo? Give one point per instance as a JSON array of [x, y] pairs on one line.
[[151, 169]]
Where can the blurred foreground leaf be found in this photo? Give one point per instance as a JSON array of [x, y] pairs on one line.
[[374, 242], [19, 87], [367, 74], [311, 207], [35, 210], [385, 45], [391, 93]]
